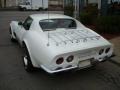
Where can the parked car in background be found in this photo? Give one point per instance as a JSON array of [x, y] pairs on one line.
[[58, 43], [33, 5]]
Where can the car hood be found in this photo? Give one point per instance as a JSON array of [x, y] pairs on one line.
[[70, 40]]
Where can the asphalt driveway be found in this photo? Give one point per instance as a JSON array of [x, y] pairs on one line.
[[105, 76]]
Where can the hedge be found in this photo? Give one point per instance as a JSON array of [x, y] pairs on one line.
[[69, 10], [89, 14], [108, 24]]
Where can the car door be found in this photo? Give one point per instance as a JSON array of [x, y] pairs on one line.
[[23, 29]]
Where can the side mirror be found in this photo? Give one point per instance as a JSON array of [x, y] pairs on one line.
[[20, 23]]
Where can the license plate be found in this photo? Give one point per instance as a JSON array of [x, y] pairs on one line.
[[84, 63]]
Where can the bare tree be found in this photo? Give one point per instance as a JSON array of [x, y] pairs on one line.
[[4, 3]]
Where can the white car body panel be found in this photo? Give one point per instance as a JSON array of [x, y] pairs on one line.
[[46, 47], [28, 7]]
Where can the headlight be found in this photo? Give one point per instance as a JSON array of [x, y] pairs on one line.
[[59, 60], [107, 50], [101, 51], [70, 58]]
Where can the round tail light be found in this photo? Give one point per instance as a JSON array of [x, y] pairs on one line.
[[107, 50], [59, 60], [101, 51], [70, 58]]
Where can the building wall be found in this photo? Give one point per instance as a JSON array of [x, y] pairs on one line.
[[2, 3], [55, 4], [11, 3]]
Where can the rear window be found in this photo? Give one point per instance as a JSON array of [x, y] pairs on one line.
[[53, 24]]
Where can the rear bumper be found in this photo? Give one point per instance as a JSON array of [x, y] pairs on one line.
[[93, 62], [56, 71]]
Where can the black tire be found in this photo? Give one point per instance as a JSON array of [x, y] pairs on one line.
[[24, 9], [46, 9], [19, 8], [11, 37], [26, 60], [40, 9]]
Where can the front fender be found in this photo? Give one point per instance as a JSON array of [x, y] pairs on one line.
[[13, 26]]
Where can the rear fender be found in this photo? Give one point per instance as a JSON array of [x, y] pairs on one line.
[[29, 50]]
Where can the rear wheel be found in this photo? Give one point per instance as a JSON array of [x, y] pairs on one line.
[[26, 60], [46, 9], [40, 9], [24, 9]]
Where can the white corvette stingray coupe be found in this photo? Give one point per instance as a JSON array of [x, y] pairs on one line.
[[58, 43]]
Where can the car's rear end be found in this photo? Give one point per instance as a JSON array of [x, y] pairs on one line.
[[84, 50], [79, 59]]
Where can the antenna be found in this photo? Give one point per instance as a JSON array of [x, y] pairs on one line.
[[48, 44]]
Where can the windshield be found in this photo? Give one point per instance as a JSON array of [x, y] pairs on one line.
[[53, 24]]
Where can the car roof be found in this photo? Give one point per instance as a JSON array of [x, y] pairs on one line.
[[46, 16]]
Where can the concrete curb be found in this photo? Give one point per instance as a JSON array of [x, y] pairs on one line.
[[116, 43]]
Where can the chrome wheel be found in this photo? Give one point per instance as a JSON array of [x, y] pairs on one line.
[[11, 36], [27, 61]]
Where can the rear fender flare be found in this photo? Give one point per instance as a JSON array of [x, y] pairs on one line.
[[28, 48]]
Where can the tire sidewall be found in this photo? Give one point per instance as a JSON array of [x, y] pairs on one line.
[[28, 66], [11, 35]]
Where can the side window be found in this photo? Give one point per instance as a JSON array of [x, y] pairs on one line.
[[27, 23]]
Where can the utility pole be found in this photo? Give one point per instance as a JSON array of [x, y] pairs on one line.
[[75, 9], [79, 5]]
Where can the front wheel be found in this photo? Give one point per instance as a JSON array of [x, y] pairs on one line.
[[27, 61], [11, 36]]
